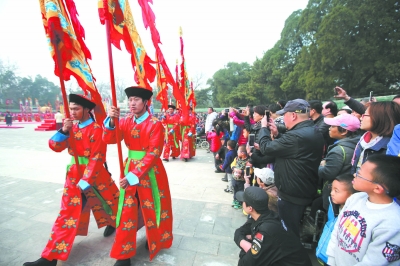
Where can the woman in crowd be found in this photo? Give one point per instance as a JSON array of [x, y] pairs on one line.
[[259, 112], [378, 121], [345, 130]]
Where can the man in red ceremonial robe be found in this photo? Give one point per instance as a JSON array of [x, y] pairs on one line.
[[95, 190], [188, 130], [172, 134], [145, 198]]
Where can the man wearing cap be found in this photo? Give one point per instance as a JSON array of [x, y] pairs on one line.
[[8, 118], [145, 198], [264, 239], [172, 133], [95, 190], [297, 155]]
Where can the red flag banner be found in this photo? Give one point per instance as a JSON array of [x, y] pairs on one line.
[[184, 82], [123, 29], [162, 87], [192, 97], [149, 21], [58, 27]]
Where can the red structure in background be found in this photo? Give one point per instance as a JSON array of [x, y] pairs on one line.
[[47, 125]]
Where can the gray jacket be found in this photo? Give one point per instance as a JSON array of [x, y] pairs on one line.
[[338, 159]]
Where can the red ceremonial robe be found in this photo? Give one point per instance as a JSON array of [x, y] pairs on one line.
[[102, 194], [188, 137], [171, 139], [144, 137]]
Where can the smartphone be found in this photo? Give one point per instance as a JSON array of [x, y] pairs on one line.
[[252, 138], [247, 170], [226, 110], [267, 114], [240, 111], [371, 94]]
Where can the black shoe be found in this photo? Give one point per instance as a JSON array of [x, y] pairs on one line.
[[165, 160], [225, 179], [126, 262], [174, 158], [108, 231], [218, 171], [185, 159], [41, 262]]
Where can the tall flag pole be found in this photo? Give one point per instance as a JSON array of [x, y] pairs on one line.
[[184, 82], [105, 19], [162, 87], [149, 22], [192, 97], [122, 28], [66, 43]]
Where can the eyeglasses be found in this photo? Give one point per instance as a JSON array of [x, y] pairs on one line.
[[373, 182], [364, 115]]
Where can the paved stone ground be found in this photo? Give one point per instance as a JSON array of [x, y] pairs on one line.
[[31, 183]]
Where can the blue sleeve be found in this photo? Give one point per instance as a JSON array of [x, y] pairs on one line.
[[83, 184], [132, 179], [107, 123], [59, 137], [228, 160]]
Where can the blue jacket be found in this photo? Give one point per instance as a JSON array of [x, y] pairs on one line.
[[378, 148], [323, 242], [393, 148], [229, 157]]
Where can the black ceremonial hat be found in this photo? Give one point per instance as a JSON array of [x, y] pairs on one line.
[[82, 100], [137, 91]]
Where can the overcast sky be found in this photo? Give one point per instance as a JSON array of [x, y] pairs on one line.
[[215, 32]]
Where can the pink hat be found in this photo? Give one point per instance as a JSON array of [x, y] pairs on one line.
[[346, 121]]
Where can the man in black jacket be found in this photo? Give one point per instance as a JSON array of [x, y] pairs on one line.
[[297, 155], [264, 239]]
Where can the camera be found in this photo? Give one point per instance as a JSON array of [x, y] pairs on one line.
[[240, 111], [226, 110]]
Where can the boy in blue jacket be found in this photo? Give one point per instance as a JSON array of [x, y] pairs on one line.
[[342, 189], [226, 166]]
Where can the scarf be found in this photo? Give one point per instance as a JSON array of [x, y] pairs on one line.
[[365, 143]]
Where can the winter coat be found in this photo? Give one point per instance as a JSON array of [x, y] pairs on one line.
[[378, 148], [356, 106], [297, 155], [323, 242], [215, 140], [393, 147], [239, 123], [338, 161], [229, 158]]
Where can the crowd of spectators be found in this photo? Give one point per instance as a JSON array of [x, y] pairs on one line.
[[303, 154]]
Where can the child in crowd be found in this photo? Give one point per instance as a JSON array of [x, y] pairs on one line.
[[265, 180], [238, 173], [215, 145], [367, 231], [342, 189], [229, 158]]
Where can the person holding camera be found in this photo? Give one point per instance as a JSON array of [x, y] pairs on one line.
[[297, 155]]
